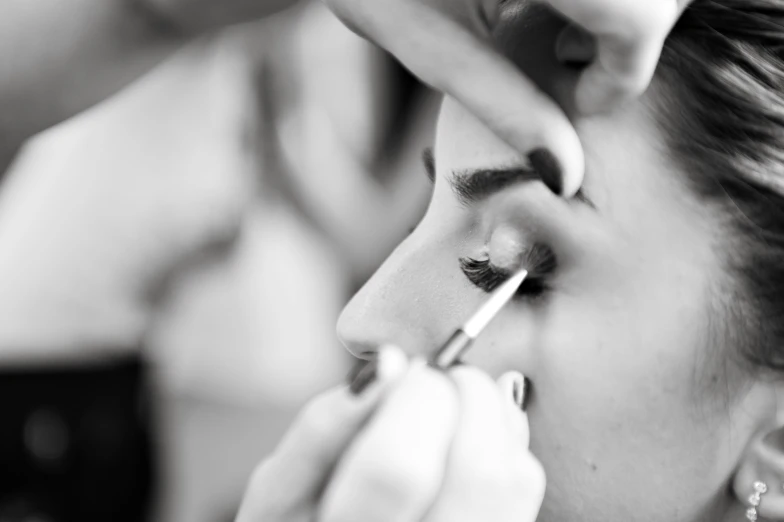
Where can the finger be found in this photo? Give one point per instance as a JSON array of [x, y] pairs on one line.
[[452, 59], [489, 478], [329, 422], [394, 469], [308, 453], [629, 37], [512, 388], [483, 413]]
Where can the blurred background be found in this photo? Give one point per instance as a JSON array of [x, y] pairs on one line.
[[196, 237]]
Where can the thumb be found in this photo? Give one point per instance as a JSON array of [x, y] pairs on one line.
[[327, 425], [300, 466]]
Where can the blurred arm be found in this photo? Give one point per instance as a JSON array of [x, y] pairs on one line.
[[59, 57]]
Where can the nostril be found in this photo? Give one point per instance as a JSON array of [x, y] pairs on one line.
[[363, 335], [367, 347], [364, 350], [367, 354]]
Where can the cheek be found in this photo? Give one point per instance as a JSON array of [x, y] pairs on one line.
[[626, 352], [608, 412], [621, 395]]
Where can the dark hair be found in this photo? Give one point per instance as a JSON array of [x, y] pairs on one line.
[[723, 63]]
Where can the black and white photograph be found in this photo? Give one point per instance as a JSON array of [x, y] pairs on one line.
[[391, 260]]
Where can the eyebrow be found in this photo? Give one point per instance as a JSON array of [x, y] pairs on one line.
[[475, 186]]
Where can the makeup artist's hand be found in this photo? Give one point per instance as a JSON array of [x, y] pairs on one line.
[[437, 448], [440, 449], [447, 44], [622, 40]]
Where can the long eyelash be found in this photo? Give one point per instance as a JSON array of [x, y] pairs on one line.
[[482, 273], [487, 277]]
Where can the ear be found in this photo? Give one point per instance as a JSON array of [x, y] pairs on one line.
[[762, 463]]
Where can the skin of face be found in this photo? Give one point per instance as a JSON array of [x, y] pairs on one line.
[[638, 412]]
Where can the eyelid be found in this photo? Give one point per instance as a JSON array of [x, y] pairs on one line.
[[541, 216], [506, 246]]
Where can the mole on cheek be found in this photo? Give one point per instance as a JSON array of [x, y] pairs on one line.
[[506, 248]]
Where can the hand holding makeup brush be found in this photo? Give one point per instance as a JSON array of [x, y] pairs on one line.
[[449, 45], [416, 445]]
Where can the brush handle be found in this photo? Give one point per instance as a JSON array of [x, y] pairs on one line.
[[450, 351]]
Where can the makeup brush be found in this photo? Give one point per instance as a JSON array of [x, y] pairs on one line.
[[461, 340], [532, 262]]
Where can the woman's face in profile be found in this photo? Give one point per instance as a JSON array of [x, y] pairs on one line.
[[636, 411]]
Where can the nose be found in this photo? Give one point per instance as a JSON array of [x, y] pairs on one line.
[[409, 302]]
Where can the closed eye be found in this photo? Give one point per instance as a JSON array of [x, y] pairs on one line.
[[487, 277]]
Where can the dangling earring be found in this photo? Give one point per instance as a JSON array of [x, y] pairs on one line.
[[760, 488]]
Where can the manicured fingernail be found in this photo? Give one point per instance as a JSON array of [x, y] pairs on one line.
[[526, 394], [549, 168], [363, 375], [577, 65], [518, 391]]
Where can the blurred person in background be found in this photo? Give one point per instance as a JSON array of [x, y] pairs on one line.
[[343, 127], [348, 127], [304, 247], [105, 219], [99, 219]]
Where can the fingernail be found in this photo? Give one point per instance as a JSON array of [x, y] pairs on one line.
[[518, 391], [526, 394], [549, 168], [574, 64], [363, 375]]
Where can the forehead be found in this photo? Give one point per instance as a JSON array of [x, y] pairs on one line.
[[463, 142]]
